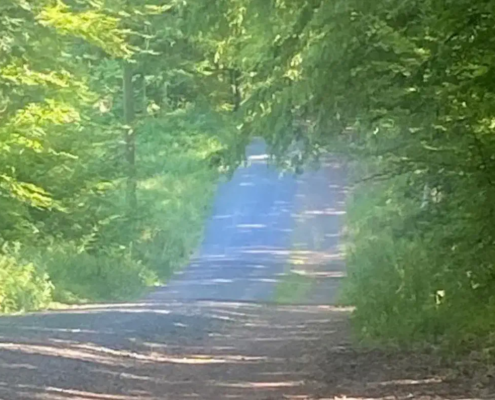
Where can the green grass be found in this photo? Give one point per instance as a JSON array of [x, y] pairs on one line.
[[409, 288], [22, 286], [293, 288], [122, 256]]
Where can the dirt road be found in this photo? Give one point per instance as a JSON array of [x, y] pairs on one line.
[[218, 330]]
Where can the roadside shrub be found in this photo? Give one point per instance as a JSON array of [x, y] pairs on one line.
[[22, 286], [95, 248], [420, 273], [103, 276]]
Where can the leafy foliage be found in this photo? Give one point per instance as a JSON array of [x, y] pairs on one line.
[[24, 287], [68, 157], [405, 88]]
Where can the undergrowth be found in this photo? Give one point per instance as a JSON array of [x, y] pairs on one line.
[[22, 285], [121, 255], [417, 276]]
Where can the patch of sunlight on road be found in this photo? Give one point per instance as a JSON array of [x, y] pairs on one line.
[[251, 226], [48, 350], [406, 382], [315, 259], [293, 288], [259, 157], [327, 211], [320, 274], [53, 393], [261, 385], [106, 356], [17, 366]]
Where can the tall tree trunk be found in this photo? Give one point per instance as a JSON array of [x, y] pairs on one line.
[[144, 99], [235, 84], [130, 137]]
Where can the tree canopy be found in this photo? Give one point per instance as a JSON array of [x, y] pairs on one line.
[[108, 132], [404, 90]]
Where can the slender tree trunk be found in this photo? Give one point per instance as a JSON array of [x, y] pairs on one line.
[[130, 137], [235, 84], [144, 98]]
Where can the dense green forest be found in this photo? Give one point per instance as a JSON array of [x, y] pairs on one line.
[[118, 117], [114, 127]]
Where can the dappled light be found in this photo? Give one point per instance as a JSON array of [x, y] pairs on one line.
[[258, 157], [245, 356], [152, 361], [337, 274], [328, 211], [63, 394], [261, 385], [251, 226], [407, 382], [236, 199], [17, 366]]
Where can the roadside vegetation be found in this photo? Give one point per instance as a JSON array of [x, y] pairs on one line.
[[113, 134], [405, 90]]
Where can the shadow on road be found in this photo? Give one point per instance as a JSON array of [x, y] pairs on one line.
[[204, 350]]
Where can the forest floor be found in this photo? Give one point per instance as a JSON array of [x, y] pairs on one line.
[[254, 316]]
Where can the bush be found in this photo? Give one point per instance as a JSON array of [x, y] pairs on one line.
[[418, 274], [102, 250], [22, 286], [103, 276]]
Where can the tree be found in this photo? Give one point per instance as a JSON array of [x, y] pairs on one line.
[[67, 160], [407, 87]]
